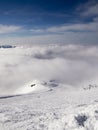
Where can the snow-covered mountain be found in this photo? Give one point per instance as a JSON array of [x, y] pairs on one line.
[[7, 46]]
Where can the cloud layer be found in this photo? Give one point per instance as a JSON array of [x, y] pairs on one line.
[[9, 29], [68, 64]]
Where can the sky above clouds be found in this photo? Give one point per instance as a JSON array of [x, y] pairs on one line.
[[49, 21]]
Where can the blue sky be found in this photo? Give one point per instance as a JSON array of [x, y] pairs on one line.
[[55, 21]]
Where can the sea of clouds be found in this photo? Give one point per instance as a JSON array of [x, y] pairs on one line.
[[73, 65]]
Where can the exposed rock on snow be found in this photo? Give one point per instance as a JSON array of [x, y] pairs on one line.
[[32, 87], [90, 86]]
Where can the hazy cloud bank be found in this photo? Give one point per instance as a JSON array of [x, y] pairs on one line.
[[68, 64], [4, 29]]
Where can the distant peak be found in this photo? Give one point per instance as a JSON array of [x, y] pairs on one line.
[[7, 46]]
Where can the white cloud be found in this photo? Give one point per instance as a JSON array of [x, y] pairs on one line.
[[37, 30], [71, 33], [91, 10], [9, 28], [75, 27], [65, 38], [88, 9], [68, 64], [92, 26]]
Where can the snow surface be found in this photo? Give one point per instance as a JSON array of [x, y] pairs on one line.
[[49, 88], [58, 109]]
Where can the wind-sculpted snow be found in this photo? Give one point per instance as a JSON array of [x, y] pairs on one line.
[[51, 110], [69, 65]]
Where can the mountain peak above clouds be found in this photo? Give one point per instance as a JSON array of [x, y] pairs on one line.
[[7, 46]]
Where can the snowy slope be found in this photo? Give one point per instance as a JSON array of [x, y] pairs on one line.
[[32, 87], [51, 110]]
